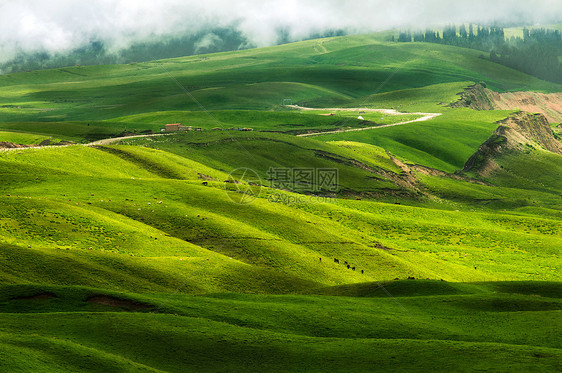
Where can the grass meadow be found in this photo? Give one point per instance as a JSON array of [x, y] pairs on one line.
[[136, 256]]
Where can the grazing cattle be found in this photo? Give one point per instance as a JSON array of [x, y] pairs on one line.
[[475, 267], [396, 279], [348, 266], [396, 203], [411, 278], [345, 262], [362, 271], [336, 260], [320, 259], [205, 183], [353, 268]]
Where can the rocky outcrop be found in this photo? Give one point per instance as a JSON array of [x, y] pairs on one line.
[[517, 133], [478, 97]]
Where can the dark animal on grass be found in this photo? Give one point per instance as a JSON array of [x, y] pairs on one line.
[[348, 266], [353, 268], [362, 271], [336, 260]]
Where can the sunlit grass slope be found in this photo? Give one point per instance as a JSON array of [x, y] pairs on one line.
[[149, 223], [445, 142], [138, 257]]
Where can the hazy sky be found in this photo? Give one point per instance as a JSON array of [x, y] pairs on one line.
[[62, 25]]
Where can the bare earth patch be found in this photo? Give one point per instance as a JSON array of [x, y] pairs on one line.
[[549, 105], [108, 300], [11, 145], [479, 98]]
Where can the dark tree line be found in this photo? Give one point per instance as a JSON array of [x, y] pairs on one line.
[[537, 53], [96, 52]]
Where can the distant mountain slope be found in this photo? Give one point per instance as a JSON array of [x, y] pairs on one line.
[[345, 68]]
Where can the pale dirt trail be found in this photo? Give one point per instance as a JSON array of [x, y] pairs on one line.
[[426, 116], [115, 139], [95, 143]]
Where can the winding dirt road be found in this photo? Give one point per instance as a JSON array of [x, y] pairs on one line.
[[426, 116], [115, 139], [95, 143]]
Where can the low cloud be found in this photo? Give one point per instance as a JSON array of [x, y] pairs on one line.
[[208, 41], [59, 26]]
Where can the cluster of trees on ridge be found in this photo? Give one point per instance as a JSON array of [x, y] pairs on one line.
[[536, 53]]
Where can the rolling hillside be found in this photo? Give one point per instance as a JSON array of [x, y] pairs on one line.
[[146, 254]]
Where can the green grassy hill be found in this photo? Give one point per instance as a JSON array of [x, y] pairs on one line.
[[323, 73], [492, 326], [152, 213], [142, 255]]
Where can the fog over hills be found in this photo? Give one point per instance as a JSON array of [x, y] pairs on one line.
[[36, 34]]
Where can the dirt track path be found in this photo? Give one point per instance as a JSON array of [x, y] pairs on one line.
[[115, 139], [425, 117], [95, 143]]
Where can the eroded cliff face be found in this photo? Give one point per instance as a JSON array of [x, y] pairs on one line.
[[518, 133], [478, 97]]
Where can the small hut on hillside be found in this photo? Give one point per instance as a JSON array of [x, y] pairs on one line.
[[175, 127]]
